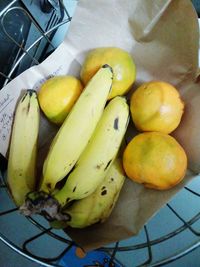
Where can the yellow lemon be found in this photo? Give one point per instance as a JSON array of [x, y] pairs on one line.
[[57, 96], [155, 159], [156, 106], [121, 62]]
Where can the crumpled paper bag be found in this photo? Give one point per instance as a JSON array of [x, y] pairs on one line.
[[163, 38]]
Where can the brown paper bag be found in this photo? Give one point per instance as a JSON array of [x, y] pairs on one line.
[[163, 38]]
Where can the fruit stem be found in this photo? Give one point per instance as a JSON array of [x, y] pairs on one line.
[[43, 204]]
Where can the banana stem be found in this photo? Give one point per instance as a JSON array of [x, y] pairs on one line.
[[43, 204]]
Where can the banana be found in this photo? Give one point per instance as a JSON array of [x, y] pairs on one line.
[[97, 207], [77, 129], [99, 154], [21, 174]]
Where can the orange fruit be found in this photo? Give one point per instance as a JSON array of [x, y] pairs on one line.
[[156, 106], [123, 66], [57, 96], [155, 159]]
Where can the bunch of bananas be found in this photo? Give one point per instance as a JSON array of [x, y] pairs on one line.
[[82, 174]]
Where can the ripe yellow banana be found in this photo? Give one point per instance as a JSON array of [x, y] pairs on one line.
[[21, 173], [99, 154], [77, 129], [98, 206]]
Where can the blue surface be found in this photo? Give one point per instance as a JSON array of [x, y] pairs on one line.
[[93, 258]]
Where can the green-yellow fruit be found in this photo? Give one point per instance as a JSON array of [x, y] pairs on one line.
[[97, 207], [121, 62], [96, 159], [156, 106], [57, 96], [77, 129], [21, 175]]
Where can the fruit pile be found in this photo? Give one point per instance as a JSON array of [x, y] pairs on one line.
[[154, 158], [87, 162]]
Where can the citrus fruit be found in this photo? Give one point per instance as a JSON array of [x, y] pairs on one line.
[[121, 62], [155, 159], [156, 106], [57, 96]]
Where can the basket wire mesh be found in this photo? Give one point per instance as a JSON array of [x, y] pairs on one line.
[[117, 250]]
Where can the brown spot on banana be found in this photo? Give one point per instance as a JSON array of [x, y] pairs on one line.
[[98, 166], [116, 124], [104, 192], [107, 165], [74, 189]]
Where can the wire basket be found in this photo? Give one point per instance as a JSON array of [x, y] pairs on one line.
[[178, 220]]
